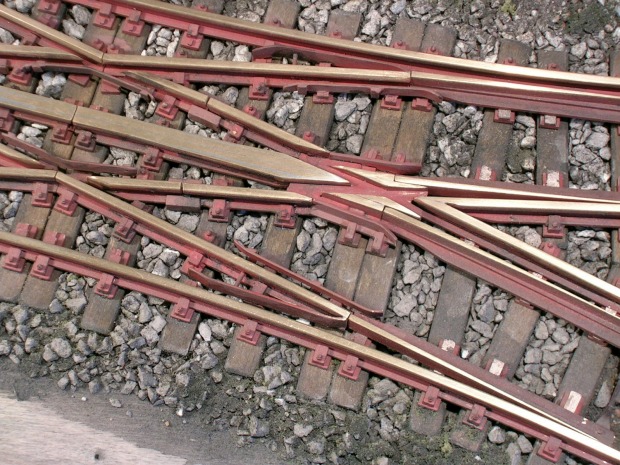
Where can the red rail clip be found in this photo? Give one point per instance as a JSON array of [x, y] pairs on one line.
[[320, 357], [125, 230], [551, 248], [182, 310], [372, 154], [66, 203], [430, 399], [52, 21], [249, 332], [285, 217], [421, 104], [349, 368], [6, 120], [310, 136], [167, 107], [235, 132], [377, 245], [348, 234], [104, 17], [62, 134], [132, 25], [504, 116], [54, 238], [259, 89], [219, 211], [251, 110], [476, 418], [323, 96], [152, 158], [80, 79], [14, 258], [391, 102], [86, 140], [21, 76], [192, 39], [554, 227], [551, 449], [107, 87], [106, 286], [49, 6], [42, 268], [549, 122], [41, 195]]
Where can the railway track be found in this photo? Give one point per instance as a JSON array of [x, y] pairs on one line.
[[307, 231]]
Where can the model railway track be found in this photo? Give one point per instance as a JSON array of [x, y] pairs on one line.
[[376, 211]]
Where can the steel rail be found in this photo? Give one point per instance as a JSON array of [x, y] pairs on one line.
[[51, 36], [608, 210], [211, 103], [198, 190], [261, 34], [262, 163], [472, 188], [313, 316], [514, 245], [552, 92], [520, 283], [62, 164], [34, 52], [9, 157], [195, 248], [308, 336]]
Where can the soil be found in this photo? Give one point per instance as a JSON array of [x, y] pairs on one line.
[[38, 421]]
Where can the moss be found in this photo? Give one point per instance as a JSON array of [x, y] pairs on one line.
[[591, 18], [446, 448], [508, 7]]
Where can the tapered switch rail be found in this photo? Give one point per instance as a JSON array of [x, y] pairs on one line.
[[544, 294], [423, 351], [194, 149], [95, 127], [423, 76], [131, 220], [203, 301]]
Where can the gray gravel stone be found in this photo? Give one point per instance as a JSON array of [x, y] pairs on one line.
[[497, 435], [258, 428], [51, 85], [205, 331], [514, 454], [524, 444], [302, 430], [604, 396], [73, 29], [597, 140], [80, 14], [5, 347], [61, 346], [343, 109], [6, 37]]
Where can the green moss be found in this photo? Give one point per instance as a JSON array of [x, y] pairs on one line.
[[508, 7], [591, 18], [446, 448]]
